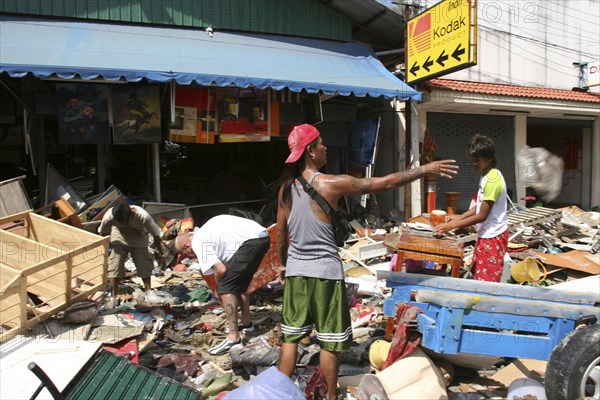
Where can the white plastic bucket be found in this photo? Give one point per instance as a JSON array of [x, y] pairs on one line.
[[526, 388]]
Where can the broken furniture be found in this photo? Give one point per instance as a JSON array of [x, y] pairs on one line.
[[48, 267], [525, 217], [443, 251], [61, 211], [363, 249], [110, 198], [108, 376], [58, 186], [13, 196], [488, 318], [533, 216]]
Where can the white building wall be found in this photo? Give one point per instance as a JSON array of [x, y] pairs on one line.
[[534, 42]]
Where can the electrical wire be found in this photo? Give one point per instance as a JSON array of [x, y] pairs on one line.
[[537, 41], [527, 54]]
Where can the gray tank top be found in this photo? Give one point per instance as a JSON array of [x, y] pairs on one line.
[[312, 252]]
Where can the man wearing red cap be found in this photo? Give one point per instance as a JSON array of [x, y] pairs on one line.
[[314, 277]]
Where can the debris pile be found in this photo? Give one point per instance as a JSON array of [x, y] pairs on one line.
[[169, 330]]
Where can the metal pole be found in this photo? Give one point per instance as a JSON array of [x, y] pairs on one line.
[[156, 171]]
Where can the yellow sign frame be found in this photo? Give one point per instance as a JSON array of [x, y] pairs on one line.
[[441, 40]]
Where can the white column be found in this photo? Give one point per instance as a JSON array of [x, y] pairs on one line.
[[415, 186], [595, 165], [401, 142], [520, 142]]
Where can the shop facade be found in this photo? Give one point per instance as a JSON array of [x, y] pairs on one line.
[[564, 122], [185, 108]]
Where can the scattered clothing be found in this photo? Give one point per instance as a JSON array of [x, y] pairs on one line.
[[405, 339]]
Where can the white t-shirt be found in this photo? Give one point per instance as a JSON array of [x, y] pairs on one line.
[[493, 187], [220, 237]]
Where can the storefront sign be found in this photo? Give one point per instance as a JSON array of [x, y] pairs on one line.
[[593, 74], [441, 40]]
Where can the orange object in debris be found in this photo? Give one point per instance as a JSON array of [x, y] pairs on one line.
[[451, 201], [438, 217]]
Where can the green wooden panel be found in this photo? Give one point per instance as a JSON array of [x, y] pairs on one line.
[[286, 17]]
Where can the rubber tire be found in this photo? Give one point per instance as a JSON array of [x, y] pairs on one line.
[[569, 361]]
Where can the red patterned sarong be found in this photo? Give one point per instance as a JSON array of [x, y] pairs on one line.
[[488, 257]]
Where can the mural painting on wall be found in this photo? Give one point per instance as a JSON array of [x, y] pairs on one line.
[[136, 114], [82, 113]]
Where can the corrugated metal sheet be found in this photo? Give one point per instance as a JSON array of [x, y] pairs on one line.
[[111, 377], [452, 133], [306, 18]]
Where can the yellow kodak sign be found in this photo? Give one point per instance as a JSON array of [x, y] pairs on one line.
[[441, 40]]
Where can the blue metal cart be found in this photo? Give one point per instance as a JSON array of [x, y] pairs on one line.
[[498, 319]]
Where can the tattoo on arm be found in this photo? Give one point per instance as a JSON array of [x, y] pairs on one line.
[[409, 175], [363, 185]]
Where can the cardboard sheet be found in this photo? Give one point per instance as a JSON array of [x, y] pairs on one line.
[[575, 259]]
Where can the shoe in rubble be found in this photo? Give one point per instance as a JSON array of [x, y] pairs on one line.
[[243, 328], [224, 347]]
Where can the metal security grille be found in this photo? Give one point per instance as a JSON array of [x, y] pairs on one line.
[[452, 133]]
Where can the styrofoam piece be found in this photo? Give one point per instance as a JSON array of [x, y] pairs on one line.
[[61, 360]]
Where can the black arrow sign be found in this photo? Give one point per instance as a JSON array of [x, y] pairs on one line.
[[415, 68], [458, 52], [428, 63], [442, 58]]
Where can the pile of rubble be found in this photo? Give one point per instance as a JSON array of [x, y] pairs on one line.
[[168, 331]]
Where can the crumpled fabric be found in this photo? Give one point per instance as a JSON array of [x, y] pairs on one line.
[[82, 312], [200, 294], [405, 340], [184, 363], [316, 388]]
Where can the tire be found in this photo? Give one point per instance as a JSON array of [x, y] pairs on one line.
[[573, 370]]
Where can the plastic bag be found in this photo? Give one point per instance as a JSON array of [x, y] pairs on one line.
[[159, 297], [542, 171], [270, 384]]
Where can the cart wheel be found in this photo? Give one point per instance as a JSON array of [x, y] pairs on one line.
[[573, 370]]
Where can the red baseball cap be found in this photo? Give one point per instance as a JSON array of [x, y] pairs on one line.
[[300, 137]]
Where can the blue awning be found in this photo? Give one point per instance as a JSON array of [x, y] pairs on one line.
[[85, 50]]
